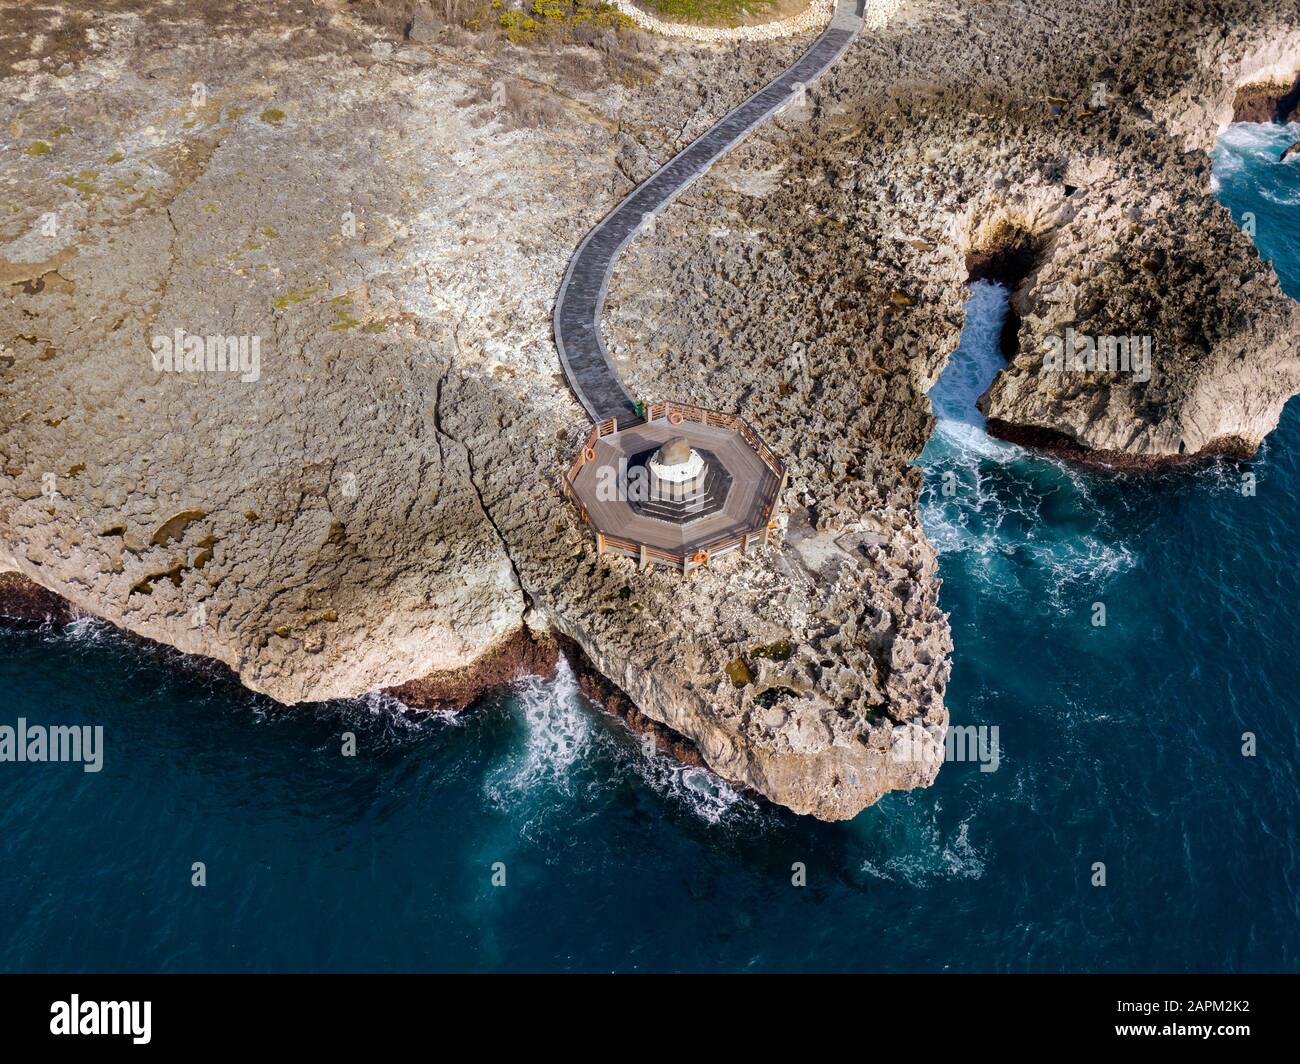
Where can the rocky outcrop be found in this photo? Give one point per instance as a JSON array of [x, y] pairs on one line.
[[1136, 255], [1138, 345], [1269, 101], [521, 654], [814, 282], [25, 603], [600, 691], [377, 502]]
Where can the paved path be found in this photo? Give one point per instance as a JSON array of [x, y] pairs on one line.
[[582, 295]]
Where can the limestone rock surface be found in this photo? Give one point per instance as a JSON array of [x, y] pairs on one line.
[[390, 217]]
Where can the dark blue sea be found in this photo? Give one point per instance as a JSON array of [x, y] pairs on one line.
[[1119, 744]]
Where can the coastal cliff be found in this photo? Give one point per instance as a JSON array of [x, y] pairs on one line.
[[1140, 251], [390, 214]]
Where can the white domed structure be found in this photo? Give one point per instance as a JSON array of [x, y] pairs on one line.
[[676, 470]]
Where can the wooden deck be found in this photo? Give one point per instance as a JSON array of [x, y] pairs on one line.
[[744, 505], [757, 478]]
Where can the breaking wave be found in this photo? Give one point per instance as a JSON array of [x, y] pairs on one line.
[[571, 750], [1250, 177], [1262, 141], [557, 731], [1013, 512], [926, 851], [85, 631], [697, 790]]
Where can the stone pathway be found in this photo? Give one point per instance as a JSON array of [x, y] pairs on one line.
[[581, 297]]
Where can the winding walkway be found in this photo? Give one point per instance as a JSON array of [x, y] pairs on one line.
[[581, 298]]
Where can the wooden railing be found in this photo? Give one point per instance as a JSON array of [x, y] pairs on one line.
[[715, 419], [604, 428]]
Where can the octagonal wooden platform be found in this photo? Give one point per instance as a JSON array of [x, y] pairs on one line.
[[743, 521]]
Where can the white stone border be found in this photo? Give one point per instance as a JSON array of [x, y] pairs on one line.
[[875, 13], [815, 16]]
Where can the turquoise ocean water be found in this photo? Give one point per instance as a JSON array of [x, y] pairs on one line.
[[1119, 745]]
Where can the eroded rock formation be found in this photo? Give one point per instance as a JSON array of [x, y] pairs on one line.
[[392, 221]]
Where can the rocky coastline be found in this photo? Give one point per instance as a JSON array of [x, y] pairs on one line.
[[379, 511], [520, 654], [1267, 101], [24, 603]]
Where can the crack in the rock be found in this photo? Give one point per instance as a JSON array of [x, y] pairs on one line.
[[441, 432]]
